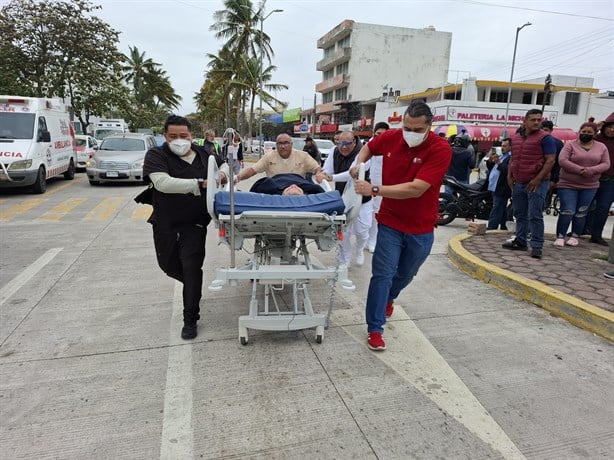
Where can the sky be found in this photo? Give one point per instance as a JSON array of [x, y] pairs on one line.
[[565, 38]]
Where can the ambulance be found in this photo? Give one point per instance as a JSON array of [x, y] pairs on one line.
[[37, 142], [104, 128]]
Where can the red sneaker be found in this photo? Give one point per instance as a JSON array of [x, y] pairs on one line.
[[389, 309], [375, 341]]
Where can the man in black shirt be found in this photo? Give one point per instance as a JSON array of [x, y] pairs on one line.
[[177, 171], [312, 149]]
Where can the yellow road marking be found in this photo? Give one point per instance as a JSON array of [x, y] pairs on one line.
[[61, 187], [21, 208], [105, 209], [142, 212], [62, 209]]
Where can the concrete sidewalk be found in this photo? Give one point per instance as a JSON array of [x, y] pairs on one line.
[[568, 282]]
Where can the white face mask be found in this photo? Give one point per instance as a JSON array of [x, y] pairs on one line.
[[180, 146], [414, 139]]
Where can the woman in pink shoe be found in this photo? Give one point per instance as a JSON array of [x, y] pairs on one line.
[[581, 161]]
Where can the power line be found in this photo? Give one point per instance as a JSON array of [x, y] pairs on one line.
[[539, 11]]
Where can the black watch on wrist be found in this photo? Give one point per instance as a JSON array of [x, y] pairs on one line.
[[374, 190]]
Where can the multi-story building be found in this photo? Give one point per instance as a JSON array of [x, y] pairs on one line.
[[360, 61]]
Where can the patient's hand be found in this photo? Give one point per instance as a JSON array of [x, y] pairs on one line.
[[321, 176], [293, 190]]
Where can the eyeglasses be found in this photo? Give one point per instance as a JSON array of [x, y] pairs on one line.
[[344, 143], [284, 143]]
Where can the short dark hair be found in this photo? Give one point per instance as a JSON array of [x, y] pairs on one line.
[[381, 125], [177, 121], [419, 109], [508, 139], [547, 124], [534, 112]]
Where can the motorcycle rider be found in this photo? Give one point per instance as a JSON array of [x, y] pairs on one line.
[[498, 186], [462, 162]]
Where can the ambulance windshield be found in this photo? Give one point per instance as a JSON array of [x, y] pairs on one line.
[[16, 125]]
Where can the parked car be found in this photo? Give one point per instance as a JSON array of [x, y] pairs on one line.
[[298, 143], [325, 147], [85, 147], [119, 158], [255, 147], [268, 146]]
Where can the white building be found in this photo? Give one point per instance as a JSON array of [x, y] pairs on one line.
[[360, 61], [481, 106]]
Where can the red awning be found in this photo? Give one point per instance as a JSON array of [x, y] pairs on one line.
[[492, 133], [489, 132], [565, 134]]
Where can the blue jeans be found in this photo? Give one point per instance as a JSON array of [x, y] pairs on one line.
[[396, 260], [529, 213], [498, 214], [573, 209], [603, 200]]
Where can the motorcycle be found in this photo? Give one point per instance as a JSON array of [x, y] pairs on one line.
[[471, 201]]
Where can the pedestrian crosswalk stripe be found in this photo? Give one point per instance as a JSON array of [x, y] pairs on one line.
[[62, 209], [105, 209], [142, 212], [20, 208]]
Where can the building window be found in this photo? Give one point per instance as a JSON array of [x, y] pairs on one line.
[[328, 52], [344, 42], [327, 97], [328, 74], [341, 94], [544, 98], [498, 96], [342, 69], [572, 101], [526, 98]]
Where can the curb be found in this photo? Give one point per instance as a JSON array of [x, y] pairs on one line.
[[574, 310]]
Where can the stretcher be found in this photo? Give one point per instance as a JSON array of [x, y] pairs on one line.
[[281, 228]]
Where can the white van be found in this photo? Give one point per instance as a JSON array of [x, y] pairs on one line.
[[105, 128], [37, 141]]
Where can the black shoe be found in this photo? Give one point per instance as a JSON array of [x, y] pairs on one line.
[[599, 240], [536, 253], [609, 275], [514, 246], [189, 331]]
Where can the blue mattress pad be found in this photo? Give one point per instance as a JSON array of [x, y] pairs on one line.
[[328, 202]]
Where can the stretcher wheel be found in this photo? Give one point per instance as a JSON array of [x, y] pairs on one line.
[[243, 340], [319, 334]]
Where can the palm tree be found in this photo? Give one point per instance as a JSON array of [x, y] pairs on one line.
[[136, 69], [251, 82], [239, 25]]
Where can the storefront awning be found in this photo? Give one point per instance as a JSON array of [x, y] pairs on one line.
[[492, 133]]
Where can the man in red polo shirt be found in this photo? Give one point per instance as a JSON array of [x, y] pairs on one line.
[[414, 161]]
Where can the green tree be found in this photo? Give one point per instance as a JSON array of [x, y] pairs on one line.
[[233, 67], [252, 81], [42, 55], [151, 90], [239, 25]]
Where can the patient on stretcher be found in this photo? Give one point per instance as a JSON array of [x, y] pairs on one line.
[[286, 184]]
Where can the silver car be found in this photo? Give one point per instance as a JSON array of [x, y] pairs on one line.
[[119, 158], [325, 147]]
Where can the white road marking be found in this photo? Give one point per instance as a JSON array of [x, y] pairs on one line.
[[410, 354], [177, 431], [20, 280]]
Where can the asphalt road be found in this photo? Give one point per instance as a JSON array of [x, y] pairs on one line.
[[92, 366]]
